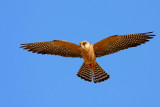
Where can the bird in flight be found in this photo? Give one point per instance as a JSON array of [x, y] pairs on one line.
[[90, 69]]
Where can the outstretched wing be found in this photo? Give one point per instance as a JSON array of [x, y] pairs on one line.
[[56, 47], [116, 43]]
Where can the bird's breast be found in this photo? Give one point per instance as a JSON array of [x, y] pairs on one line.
[[88, 55]]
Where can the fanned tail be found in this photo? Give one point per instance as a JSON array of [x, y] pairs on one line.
[[85, 73], [99, 75]]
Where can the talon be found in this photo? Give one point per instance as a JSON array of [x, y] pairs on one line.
[[90, 65]]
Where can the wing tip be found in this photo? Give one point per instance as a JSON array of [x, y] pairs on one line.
[[150, 34], [22, 46]]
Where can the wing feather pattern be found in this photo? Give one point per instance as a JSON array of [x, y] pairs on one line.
[[116, 43], [56, 47]]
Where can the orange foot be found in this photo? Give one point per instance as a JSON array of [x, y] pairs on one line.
[[90, 65]]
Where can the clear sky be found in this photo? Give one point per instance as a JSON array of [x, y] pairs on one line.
[[33, 80]]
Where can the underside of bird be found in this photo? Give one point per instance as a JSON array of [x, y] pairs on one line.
[[88, 73], [90, 52]]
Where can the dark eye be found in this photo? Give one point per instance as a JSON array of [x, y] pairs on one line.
[[84, 43]]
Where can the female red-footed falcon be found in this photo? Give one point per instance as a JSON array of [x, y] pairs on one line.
[[90, 68]]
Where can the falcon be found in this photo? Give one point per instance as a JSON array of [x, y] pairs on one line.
[[90, 69]]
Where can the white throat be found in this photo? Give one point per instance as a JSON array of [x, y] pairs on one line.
[[87, 45]]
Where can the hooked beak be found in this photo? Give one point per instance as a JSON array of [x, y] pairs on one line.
[[80, 45]]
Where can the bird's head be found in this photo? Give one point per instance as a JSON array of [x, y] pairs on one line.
[[84, 44]]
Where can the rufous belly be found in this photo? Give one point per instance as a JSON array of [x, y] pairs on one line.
[[89, 57]]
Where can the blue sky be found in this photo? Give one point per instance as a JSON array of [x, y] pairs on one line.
[[33, 80]]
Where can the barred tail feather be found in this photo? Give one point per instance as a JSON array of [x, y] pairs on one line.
[[99, 75], [85, 73]]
